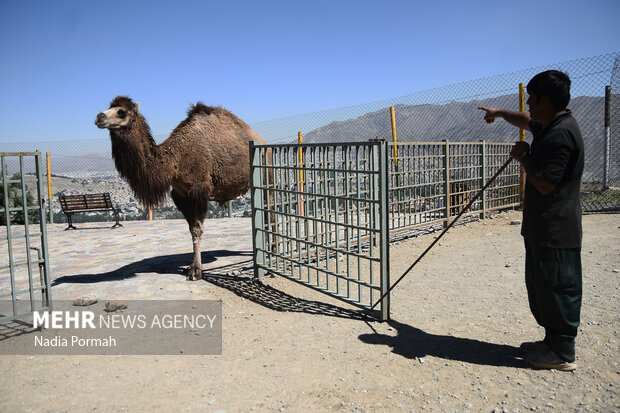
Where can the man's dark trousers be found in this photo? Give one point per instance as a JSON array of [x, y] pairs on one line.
[[553, 281]]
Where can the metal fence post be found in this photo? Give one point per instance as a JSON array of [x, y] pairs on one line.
[[300, 164], [41, 203], [522, 108], [483, 176], [257, 193], [49, 186], [446, 165], [399, 194], [45, 265], [384, 228], [394, 137], [607, 138], [380, 219], [375, 214], [7, 216]]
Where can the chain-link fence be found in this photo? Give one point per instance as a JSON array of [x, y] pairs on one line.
[[447, 113], [450, 113]]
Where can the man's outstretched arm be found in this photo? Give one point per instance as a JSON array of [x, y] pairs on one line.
[[518, 119]]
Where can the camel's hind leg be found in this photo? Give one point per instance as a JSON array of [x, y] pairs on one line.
[[195, 214]]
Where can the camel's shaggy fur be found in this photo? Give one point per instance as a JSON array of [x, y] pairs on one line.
[[205, 158]]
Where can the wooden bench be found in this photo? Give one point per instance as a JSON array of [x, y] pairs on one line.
[[72, 204]]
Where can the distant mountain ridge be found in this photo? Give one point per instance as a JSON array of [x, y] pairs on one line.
[[463, 122], [455, 121]]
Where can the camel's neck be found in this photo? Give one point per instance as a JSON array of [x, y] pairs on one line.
[[136, 158]]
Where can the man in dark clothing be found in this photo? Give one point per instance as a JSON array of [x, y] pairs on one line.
[[551, 216]]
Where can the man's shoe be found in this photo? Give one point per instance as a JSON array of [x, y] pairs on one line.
[[549, 360], [534, 346]]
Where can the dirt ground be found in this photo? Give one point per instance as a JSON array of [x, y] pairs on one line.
[[452, 344]]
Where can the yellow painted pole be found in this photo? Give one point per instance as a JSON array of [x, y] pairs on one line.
[[394, 138], [522, 137], [49, 186], [300, 140]]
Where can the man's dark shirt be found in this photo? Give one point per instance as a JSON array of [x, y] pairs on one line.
[[557, 154]]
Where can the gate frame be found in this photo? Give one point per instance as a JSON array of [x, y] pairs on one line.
[[43, 257], [377, 178]]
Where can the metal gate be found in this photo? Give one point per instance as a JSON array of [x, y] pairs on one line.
[[24, 270], [320, 217]]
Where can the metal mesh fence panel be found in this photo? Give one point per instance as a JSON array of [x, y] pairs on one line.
[[447, 113], [450, 113], [606, 196]]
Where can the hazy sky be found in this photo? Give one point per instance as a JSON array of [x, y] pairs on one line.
[[63, 61]]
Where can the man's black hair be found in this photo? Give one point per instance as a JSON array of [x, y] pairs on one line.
[[553, 84]]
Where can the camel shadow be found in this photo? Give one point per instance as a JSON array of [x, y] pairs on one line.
[[164, 264], [411, 343]]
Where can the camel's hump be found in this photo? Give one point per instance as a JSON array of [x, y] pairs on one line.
[[202, 109]]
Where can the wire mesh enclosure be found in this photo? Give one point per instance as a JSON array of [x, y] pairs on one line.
[[323, 214], [444, 113], [451, 113], [24, 268]]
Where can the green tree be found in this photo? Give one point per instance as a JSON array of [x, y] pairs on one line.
[[16, 201]]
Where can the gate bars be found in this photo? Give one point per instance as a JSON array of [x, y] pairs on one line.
[[319, 218], [322, 214], [20, 242]]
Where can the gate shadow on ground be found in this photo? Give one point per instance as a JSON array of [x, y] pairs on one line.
[[254, 290], [237, 278], [165, 264], [14, 329], [411, 342]]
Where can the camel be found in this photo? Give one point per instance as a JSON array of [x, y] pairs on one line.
[[205, 158]]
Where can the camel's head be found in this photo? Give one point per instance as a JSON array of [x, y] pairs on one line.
[[123, 111]]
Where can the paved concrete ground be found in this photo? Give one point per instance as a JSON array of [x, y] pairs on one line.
[[148, 256]]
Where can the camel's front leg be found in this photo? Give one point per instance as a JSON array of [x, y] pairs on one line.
[[194, 271], [194, 215]]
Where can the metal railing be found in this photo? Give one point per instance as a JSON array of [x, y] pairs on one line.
[[21, 272]]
